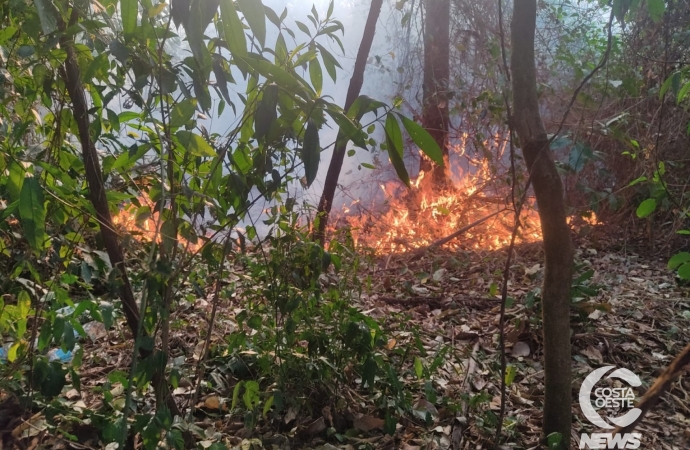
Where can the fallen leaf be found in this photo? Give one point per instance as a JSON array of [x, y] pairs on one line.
[[521, 349], [368, 423]]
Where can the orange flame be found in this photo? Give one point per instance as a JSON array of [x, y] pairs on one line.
[[424, 213], [146, 226]]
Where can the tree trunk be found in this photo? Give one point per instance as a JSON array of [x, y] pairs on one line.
[[557, 244], [435, 89], [353, 91], [97, 195]]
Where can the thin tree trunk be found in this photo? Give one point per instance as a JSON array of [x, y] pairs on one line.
[[353, 91], [436, 75], [97, 195], [557, 244]]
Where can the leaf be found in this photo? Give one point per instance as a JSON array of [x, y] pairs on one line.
[[47, 14], [678, 259], [418, 368], [684, 271], [194, 144], [656, 9], [32, 213], [511, 371], [276, 74], [578, 157], [423, 140], [233, 29], [267, 406], [637, 180], [329, 61], [7, 33], [671, 80], [182, 112], [303, 28], [266, 111], [179, 10], [253, 11], [128, 12], [316, 75], [311, 152], [646, 208], [683, 92], [394, 142], [157, 9], [348, 129]]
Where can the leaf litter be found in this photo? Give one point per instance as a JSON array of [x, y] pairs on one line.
[[631, 314]]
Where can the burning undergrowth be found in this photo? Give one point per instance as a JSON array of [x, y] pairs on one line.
[[401, 220]]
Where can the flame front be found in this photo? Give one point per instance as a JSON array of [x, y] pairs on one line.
[[417, 217]]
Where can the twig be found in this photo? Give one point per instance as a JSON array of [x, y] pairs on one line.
[[660, 386]]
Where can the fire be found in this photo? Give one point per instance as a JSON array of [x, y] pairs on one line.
[[415, 218], [145, 225]]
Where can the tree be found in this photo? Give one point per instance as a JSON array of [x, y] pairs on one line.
[[436, 77], [353, 90], [558, 249]]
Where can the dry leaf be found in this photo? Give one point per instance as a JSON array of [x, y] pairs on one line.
[[368, 423], [521, 349]]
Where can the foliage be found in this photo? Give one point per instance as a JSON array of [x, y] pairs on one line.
[[156, 77]]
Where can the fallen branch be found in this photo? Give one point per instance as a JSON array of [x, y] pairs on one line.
[[660, 386], [419, 253]]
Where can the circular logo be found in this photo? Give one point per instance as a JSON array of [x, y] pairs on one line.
[[609, 397]]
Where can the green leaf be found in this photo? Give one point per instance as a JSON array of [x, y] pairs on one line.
[[683, 92], [637, 180], [348, 129], [329, 61], [646, 208], [311, 152], [267, 406], [32, 213], [47, 14], [656, 9], [674, 79], [316, 75], [253, 11], [7, 33], [182, 112], [394, 141], [276, 74], [128, 12], [684, 271], [266, 111], [423, 140], [678, 259], [236, 394], [510, 374], [369, 372], [194, 144], [233, 29], [303, 28], [15, 180], [418, 368], [493, 289]]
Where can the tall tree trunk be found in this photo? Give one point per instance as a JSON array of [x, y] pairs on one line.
[[353, 91], [435, 89], [557, 244]]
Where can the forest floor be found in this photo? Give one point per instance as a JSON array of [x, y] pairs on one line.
[[631, 315]]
